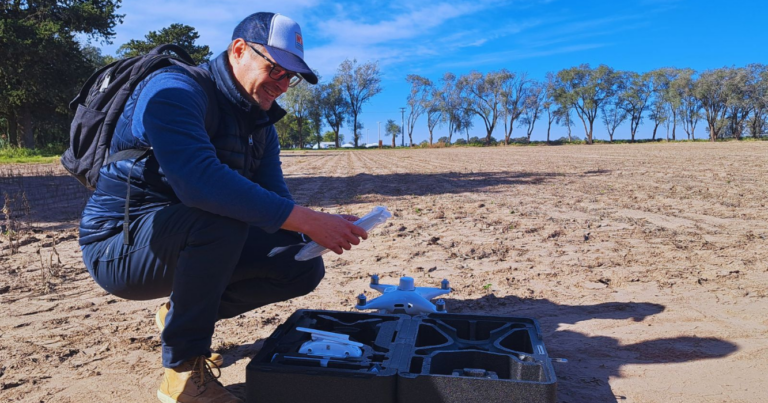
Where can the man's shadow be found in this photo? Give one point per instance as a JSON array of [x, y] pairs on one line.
[[593, 360]]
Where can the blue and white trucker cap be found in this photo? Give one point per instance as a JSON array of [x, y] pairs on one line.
[[281, 36]]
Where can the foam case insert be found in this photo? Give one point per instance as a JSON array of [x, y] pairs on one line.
[[426, 358]]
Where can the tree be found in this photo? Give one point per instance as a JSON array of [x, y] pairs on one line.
[[392, 129], [585, 89], [660, 81], [515, 91], [711, 89], [451, 103], [315, 110], [331, 136], [549, 105], [637, 91], [464, 122], [613, 114], [297, 101], [434, 111], [689, 104], [178, 34], [532, 108], [42, 63], [93, 56], [360, 127], [673, 97], [484, 96], [758, 100], [739, 91], [563, 117], [562, 113], [614, 111], [359, 84], [421, 88], [334, 106], [286, 131]]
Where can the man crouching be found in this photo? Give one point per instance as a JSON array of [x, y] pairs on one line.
[[209, 202]]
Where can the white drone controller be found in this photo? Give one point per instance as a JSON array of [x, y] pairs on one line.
[[404, 298]]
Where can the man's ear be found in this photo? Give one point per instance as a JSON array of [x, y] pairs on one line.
[[239, 48]]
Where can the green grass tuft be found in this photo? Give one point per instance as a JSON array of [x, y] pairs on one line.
[[16, 155]]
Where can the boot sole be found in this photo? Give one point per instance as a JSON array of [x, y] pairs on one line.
[[165, 398]]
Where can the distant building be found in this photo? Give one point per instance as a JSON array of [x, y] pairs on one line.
[[325, 145]]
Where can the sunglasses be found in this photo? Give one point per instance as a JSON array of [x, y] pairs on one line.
[[278, 73]]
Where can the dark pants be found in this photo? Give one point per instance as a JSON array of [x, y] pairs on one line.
[[212, 267]]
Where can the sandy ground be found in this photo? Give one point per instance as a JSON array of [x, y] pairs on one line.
[[646, 265]]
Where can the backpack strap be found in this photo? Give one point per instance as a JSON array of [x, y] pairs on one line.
[[127, 217], [137, 153]]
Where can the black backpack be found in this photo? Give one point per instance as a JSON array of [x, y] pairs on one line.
[[101, 101]]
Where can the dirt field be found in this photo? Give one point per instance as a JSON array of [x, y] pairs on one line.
[[646, 265]]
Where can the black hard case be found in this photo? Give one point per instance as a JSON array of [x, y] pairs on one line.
[[407, 359]]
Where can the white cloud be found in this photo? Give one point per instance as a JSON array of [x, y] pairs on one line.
[[517, 54], [417, 23], [214, 21]]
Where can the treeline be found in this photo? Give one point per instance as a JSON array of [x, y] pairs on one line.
[[335, 103], [731, 102], [43, 64]]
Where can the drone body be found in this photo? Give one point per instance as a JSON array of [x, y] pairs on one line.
[[404, 297]]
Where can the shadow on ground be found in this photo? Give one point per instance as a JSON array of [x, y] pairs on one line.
[[235, 353], [37, 195], [593, 360], [329, 190]]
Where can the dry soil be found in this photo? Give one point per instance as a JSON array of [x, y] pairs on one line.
[[646, 265]]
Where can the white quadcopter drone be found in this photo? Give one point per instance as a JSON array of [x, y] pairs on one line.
[[404, 297]]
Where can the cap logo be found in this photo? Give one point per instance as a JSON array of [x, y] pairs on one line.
[[299, 42]]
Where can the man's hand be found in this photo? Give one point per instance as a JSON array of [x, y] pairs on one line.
[[335, 232], [350, 218]]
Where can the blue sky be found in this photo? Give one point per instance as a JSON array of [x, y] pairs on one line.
[[430, 38]]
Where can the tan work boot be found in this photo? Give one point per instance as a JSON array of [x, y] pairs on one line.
[[162, 312], [194, 382]]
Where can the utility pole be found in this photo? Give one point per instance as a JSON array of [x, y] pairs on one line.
[[379, 134], [402, 128]]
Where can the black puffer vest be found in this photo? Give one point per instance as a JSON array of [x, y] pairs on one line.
[[240, 135]]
